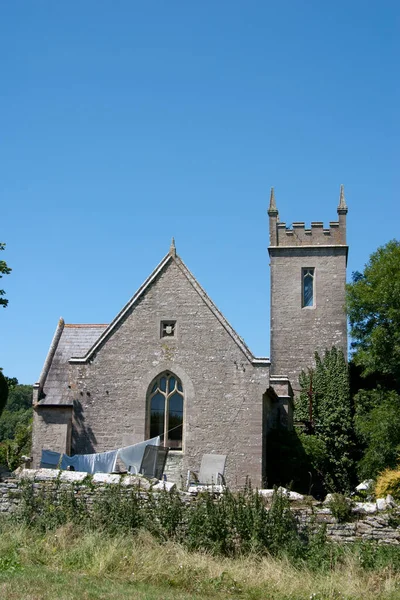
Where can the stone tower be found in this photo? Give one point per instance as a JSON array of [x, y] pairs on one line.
[[308, 277]]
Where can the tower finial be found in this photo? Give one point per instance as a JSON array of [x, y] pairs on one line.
[[272, 210], [172, 248], [342, 208]]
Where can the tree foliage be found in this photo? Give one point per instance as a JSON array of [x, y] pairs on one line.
[[325, 406], [3, 392], [16, 424], [4, 270], [373, 305], [377, 424]]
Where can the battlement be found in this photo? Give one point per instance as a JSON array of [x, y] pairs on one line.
[[298, 235]]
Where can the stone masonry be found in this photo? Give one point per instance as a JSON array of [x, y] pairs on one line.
[[380, 527], [297, 332], [106, 390]]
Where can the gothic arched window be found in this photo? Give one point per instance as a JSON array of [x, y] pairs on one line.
[[165, 401], [308, 287]]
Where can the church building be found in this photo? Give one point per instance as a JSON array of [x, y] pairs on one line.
[[170, 364]]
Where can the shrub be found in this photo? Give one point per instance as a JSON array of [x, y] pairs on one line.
[[340, 507], [233, 524], [388, 482]]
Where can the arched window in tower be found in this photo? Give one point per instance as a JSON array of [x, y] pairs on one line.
[[308, 299], [165, 401]]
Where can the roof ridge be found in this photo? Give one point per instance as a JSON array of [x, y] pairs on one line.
[[124, 309], [86, 325], [50, 354], [221, 318]]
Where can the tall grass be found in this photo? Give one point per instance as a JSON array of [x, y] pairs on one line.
[[142, 560], [235, 524], [226, 546]]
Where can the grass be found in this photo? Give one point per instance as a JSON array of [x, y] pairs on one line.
[[70, 564]]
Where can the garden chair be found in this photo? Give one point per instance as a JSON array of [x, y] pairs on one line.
[[153, 461], [211, 474]]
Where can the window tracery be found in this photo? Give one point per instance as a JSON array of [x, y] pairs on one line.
[[166, 410]]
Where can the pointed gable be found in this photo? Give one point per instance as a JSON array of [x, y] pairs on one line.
[[170, 259]]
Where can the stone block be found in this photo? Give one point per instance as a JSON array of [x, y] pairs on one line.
[[381, 504], [40, 474], [164, 485], [106, 478], [365, 507], [212, 489], [73, 476], [365, 485]]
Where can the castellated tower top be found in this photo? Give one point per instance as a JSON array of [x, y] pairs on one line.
[[297, 235]]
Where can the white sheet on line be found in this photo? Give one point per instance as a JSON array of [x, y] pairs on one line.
[[100, 462], [132, 456]]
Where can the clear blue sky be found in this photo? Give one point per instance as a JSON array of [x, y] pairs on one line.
[[124, 123]]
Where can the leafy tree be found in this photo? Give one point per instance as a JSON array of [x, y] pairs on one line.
[[11, 382], [16, 424], [377, 424], [325, 407], [18, 410], [12, 450], [373, 305], [20, 396], [3, 392], [4, 270]]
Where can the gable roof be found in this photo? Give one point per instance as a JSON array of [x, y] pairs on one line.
[[171, 256], [68, 340], [77, 343]]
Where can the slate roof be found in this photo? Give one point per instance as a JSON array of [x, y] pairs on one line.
[[73, 340]]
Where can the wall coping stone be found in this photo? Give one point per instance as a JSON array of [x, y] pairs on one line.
[[106, 478]]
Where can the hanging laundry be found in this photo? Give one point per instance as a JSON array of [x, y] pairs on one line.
[[132, 456], [50, 459], [101, 462]]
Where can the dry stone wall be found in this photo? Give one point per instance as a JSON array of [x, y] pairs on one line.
[[380, 527]]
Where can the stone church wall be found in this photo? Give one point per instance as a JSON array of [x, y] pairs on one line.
[[296, 332], [223, 389]]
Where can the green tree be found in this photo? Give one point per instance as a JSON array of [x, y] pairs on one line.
[[325, 407], [373, 305], [377, 424], [4, 270], [3, 392], [18, 410], [16, 424]]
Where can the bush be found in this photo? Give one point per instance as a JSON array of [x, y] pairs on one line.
[[340, 507], [233, 524], [388, 482]]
